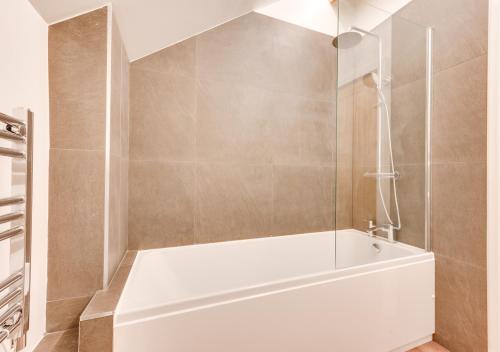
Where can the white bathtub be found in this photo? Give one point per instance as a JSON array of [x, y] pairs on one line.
[[279, 294]]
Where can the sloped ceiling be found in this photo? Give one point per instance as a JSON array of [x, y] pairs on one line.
[[147, 26]]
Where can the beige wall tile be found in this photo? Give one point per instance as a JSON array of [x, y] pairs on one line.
[[124, 205], [240, 51], [76, 222], [303, 199], [162, 123], [179, 58], [461, 311], [162, 202], [408, 52], [264, 52], [233, 123], [459, 120], [411, 197], [115, 248], [364, 197], [64, 341], [252, 110], [345, 120], [344, 201], [408, 122], [116, 90], [96, 335], [233, 202], [65, 314], [364, 126], [125, 108], [77, 73], [459, 212], [461, 28], [303, 131], [313, 52]]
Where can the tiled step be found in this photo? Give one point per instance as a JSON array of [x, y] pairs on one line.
[[430, 347], [62, 341]]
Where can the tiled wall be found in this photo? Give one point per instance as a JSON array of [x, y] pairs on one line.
[[118, 177], [458, 164], [408, 123], [78, 264], [77, 86], [233, 136]]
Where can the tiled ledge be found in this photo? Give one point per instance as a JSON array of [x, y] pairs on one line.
[[96, 321], [62, 341]]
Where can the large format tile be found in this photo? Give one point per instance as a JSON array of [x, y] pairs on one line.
[[96, 335], [364, 197], [178, 58], [162, 202], [459, 212], [313, 52], [461, 312], [344, 197], [125, 105], [239, 51], [116, 91], [459, 120], [260, 51], [460, 28], [162, 121], [64, 341], [408, 123], [76, 223], [77, 72], [233, 202], [64, 314], [303, 199], [303, 131], [233, 123], [115, 249], [343, 139], [408, 52], [411, 199], [124, 205], [364, 144]]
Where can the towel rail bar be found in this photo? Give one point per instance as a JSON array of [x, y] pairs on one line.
[[11, 280], [10, 297], [11, 201], [4, 118], [12, 136], [16, 231], [11, 217], [12, 153], [15, 290]]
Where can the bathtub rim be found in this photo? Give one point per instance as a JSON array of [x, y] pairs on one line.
[[179, 306]]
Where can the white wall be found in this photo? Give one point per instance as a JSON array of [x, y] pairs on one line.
[[24, 82], [493, 177]]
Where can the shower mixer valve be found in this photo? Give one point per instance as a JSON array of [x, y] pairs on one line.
[[387, 229]]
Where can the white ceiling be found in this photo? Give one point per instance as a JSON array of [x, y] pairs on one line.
[[147, 26]]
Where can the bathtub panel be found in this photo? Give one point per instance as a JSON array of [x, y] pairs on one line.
[[376, 310]]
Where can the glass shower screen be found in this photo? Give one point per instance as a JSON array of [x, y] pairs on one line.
[[383, 100]]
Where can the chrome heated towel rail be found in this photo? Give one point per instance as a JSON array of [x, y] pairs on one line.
[[16, 136]]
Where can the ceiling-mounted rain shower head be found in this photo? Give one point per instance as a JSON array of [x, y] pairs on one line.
[[347, 39]]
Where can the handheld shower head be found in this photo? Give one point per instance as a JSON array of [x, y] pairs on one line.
[[370, 80]]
